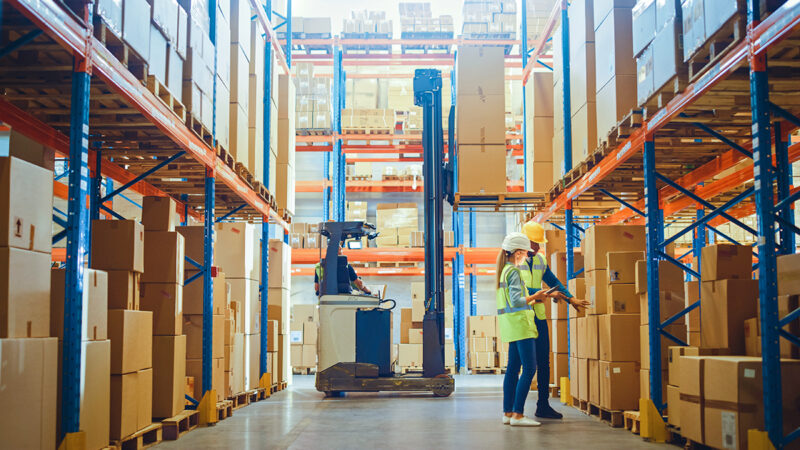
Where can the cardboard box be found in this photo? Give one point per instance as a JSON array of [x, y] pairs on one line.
[[477, 344], [670, 303], [126, 237], [622, 298], [558, 333], [789, 274], [691, 293], [676, 329], [619, 337], [163, 257], [592, 337], [309, 356], [26, 192], [481, 326], [29, 370], [480, 70], [194, 241], [583, 379], [614, 99], [237, 251], [574, 342], [619, 385], [131, 335], [674, 399], [123, 289], [691, 393], [165, 301], [193, 293], [594, 381], [159, 213], [674, 364], [272, 336], [644, 384], [732, 392], [193, 328], [409, 355], [726, 261], [596, 291], [577, 287], [94, 317], [482, 168], [280, 257], [602, 239], [621, 267], [725, 305], [169, 373], [484, 128], [310, 331], [24, 293], [124, 404], [194, 369]]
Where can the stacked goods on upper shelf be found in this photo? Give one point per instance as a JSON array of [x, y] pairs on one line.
[[130, 330], [395, 222], [538, 12], [489, 19], [278, 309], [365, 24], [657, 42], [416, 22], [306, 235], [397, 94], [162, 294], [480, 128], [615, 81], [311, 27], [285, 183], [313, 103], [583, 107], [359, 170], [409, 350], [368, 121], [486, 351], [303, 334], [28, 354], [356, 211], [540, 128]]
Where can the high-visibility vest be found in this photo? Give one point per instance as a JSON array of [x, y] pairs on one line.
[[319, 270], [516, 323], [532, 277]]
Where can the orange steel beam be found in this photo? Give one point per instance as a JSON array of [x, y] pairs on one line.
[[336, 40], [396, 271], [380, 186], [58, 254], [375, 137], [472, 255], [399, 148]]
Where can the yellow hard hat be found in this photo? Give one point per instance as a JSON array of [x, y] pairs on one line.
[[535, 232]]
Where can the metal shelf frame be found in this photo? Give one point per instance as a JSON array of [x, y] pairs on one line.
[[770, 125]]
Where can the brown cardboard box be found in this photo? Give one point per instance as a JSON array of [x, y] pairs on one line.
[[238, 249], [583, 337], [125, 399], [310, 331], [478, 72], [237, 364], [622, 298], [144, 409], [29, 370], [558, 334], [583, 379], [126, 237], [95, 401], [193, 293], [644, 384], [619, 385], [558, 264], [169, 373], [417, 310], [614, 100], [577, 287], [131, 334], [726, 304], [163, 257], [597, 291], [789, 274], [246, 293], [474, 344], [573, 376], [123, 289], [670, 277], [601, 239], [309, 356], [415, 336], [305, 313], [481, 326], [693, 338], [619, 337], [676, 329], [24, 293], [671, 303], [272, 336], [674, 364], [726, 261], [594, 381], [732, 388], [410, 355], [482, 168], [165, 301], [488, 127], [194, 369], [193, 328], [26, 195], [556, 242], [573, 338], [752, 341], [296, 352], [559, 364], [691, 392], [194, 241], [592, 342], [621, 266], [691, 293], [159, 214], [280, 257], [674, 413], [94, 325]]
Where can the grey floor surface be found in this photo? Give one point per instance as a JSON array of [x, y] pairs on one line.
[[470, 418]]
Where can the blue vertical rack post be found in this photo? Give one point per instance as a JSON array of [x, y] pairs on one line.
[[337, 155], [783, 176], [699, 240], [78, 242], [208, 227], [524, 55], [652, 237], [767, 263], [267, 152], [473, 278], [459, 324]]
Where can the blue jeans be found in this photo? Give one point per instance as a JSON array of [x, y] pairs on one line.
[[516, 386], [543, 361]]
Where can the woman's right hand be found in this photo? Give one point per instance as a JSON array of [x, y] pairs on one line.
[[538, 297]]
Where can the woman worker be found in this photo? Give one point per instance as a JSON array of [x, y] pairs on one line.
[[517, 327]]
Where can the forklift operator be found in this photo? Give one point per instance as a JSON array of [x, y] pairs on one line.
[[355, 280]]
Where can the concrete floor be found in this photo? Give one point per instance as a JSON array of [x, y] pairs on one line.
[[470, 418]]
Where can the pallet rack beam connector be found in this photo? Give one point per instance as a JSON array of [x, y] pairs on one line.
[[208, 281], [266, 105], [78, 241]]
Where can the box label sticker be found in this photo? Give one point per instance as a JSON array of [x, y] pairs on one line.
[[617, 370], [448, 333], [749, 373], [296, 337], [728, 429]]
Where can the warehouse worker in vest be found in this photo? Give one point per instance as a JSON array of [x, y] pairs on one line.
[[534, 271], [355, 280], [517, 327]]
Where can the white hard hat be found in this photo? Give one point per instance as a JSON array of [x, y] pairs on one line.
[[516, 241]]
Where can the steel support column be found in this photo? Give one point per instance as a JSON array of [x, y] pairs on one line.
[[699, 239], [263, 286], [783, 177], [565, 69], [653, 234], [524, 55], [337, 155], [208, 281], [767, 270], [78, 243], [473, 279]]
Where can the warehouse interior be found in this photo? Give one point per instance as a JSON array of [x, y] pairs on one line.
[[294, 224]]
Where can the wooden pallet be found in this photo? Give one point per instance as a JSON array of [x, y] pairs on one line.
[[395, 264], [359, 178], [313, 131], [632, 421], [304, 370], [555, 391], [615, 419], [367, 131], [488, 370], [201, 131], [583, 405], [664, 94], [261, 190], [239, 400], [175, 427], [166, 97], [123, 52], [144, 438], [411, 369], [224, 409], [623, 130], [244, 174], [717, 46]]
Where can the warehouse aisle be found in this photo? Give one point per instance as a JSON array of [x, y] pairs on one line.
[[299, 418]]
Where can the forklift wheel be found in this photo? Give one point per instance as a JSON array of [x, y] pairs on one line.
[[442, 391]]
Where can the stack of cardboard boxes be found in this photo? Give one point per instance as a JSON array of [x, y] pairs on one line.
[[396, 221], [366, 24], [583, 81], [480, 122], [28, 353], [540, 128], [313, 103], [304, 331], [486, 352], [162, 294], [558, 314], [409, 350], [279, 304], [417, 22], [489, 16], [305, 235], [657, 43], [130, 330], [367, 120], [284, 189]]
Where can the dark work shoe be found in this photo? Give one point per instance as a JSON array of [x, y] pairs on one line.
[[546, 412]]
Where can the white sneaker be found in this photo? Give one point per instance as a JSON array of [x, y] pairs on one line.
[[524, 422], [506, 420]]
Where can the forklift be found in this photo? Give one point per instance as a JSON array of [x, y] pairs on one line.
[[355, 335]]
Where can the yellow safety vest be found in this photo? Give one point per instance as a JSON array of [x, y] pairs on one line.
[[532, 277], [319, 270], [516, 323]]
